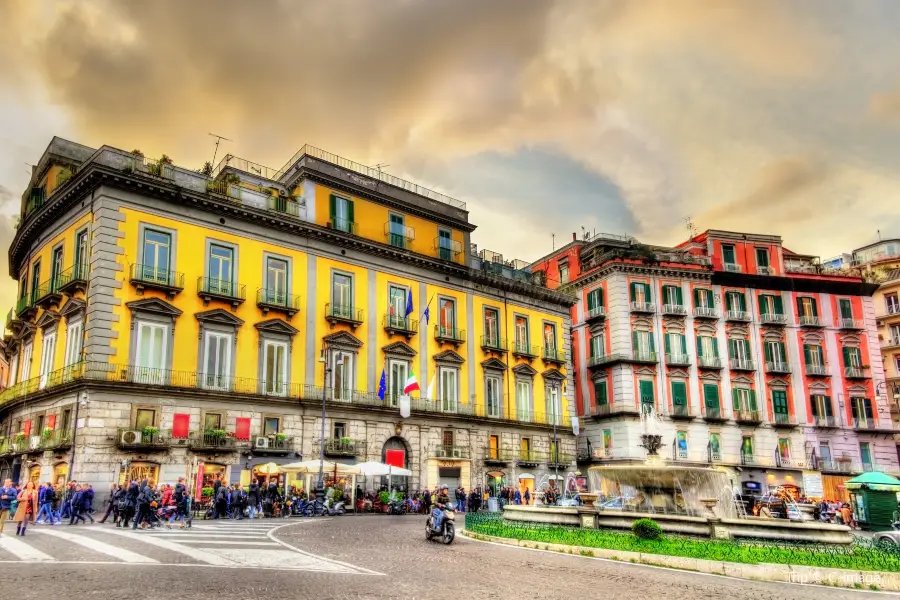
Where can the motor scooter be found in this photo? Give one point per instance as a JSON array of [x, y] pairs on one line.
[[398, 507], [447, 531]]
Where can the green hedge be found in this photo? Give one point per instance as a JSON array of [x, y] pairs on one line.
[[861, 556]]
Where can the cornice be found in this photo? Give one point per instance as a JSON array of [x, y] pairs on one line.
[[649, 270]]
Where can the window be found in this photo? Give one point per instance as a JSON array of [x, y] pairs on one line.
[[643, 343], [711, 399], [492, 396], [813, 355], [339, 430], [676, 344], [23, 285], [523, 400], [820, 407], [447, 317], [852, 357], [762, 260], [784, 449], [217, 360], [66, 419], [728, 254], [449, 389], [554, 405], [549, 339], [399, 374], [598, 346], [341, 212], [26, 362], [607, 442], [739, 349], [144, 417], [81, 252], [74, 341], [779, 404], [221, 270], [275, 365], [276, 281], [679, 396], [601, 393], [35, 279], [861, 409], [521, 328], [640, 293], [892, 303], [707, 347], [771, 305], [212, 421], [563, 271], [342, 376], [703, 298], [775, 354], [865, 456], [894, 334], [397, 306], [825, 452], [744, 399], [48, 352], [595, 301], [806, 307], [150, 355], [715, 446], [648, 400], [342, 295], [846, 308], [397, 231], [445, 245], [447, 437], [13, 369], [525, 448], [271, 426], [672, 295], [747, 447], [681, 444], [39, 425], [735, 302], [56, 266], [492, 327], [156, 256], [494, 447]]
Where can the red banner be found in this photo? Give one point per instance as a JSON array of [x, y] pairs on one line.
[[395, 458], [51, 422], [242, 429], [198, 494], [26, 427], [181, 423]]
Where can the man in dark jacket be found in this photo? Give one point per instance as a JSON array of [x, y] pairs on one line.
[[145, 497], [111, 504], [235, 502], [76, 507], [131, 502], [221, 501], [253, 498]]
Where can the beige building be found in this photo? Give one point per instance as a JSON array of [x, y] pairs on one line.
[[887, 314]]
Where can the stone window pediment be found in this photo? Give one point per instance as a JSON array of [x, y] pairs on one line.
[[673, 326], [642, 323], [343, 340], [48, 320], [73, 308], [399, 350], [27, 332], [742, 379], [155, 306], [553, 375], [219, 316], [818, 388], [813, 339], [645, 371], [276, 327], [524, 370], [449, 358], [706, 330], [857, 389], [850, 339], [779, 383], [494, 364], [773, 336], [710, 376], [679, 373]]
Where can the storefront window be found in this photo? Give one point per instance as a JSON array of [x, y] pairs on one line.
[[60, 473], [138, 471], [209, 474], [34, 474]]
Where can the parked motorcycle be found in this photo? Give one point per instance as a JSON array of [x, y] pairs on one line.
[[398, 507], [447, 531]]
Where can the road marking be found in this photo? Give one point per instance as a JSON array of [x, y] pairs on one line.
[[98, 546], [22, 550], [194, 553], [226, 542], [271, 536], [178, 534]]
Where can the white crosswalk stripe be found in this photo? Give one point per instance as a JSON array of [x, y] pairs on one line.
[[221, 544]]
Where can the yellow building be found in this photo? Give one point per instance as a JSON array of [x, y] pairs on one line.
[[175, 324], [887, 316]]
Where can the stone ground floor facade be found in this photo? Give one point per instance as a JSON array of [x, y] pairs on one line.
[[104, 436]]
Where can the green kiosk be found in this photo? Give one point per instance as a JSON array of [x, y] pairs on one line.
[[873, 497]]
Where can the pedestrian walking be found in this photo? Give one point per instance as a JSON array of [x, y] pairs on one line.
[[7, 495], [427, 501], [221, 500], [77, 504], [527, 496], [144, 498], [112, 506], [27, 508], [253, 498], [180, 499]]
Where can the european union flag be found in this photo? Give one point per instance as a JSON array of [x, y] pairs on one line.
[[426, 314], [382, 387], [409, 306]]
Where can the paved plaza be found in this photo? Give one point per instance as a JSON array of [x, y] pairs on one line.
[[347, 557]]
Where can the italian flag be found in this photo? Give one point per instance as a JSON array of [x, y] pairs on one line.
[[411, 384]]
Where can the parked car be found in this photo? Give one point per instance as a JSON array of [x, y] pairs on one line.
[[888, 539]]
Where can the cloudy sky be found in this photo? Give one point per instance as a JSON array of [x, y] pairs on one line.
[[546, 116]]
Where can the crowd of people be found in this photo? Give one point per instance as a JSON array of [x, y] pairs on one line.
[[46, 504]]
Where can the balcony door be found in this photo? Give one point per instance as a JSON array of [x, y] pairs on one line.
[[449, 389], [397, 306], [342, 295], [81, 253], [151, 353], [342, 376], [491, 327], [217, 360], [399, 374], [221, 270], [276, 281], [492, 396], [397, 231], [275, 361], [780, 405], [156, 256]]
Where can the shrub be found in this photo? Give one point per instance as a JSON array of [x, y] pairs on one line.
[[384, 497], [206, 492], [646, 529]]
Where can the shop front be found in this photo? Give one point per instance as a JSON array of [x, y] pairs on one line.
[[834, 487], [450, 472], [60, 473], [526, 483], [494, 481]]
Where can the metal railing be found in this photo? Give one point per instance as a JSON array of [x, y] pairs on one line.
[[451, 452], [272, 443], [77, 273], [817, 370], [680, 411], [600, 360], [400, 324], [343, 312], [856, 373], [709, 362], [559, 458], [704, 312], [678, 359], [148, 166], [824, 421], [284, 205], [553, 354], [344, 447], [851, 324], [732, 267], [493, 342], [529, 457], [399, 235], [151, 275], [522, 349], [222, 288], [598, 312], [449, 334], [607, 410], [773, 319], [742, 364], [141, 438], [783, 419], [714, 413], [674, 309], [57, 438], [212, 440], [446, 248], [648, 307], [810, 321], [747, 416], [344, 225], [777, 367], [891, 342], [277, 299], [500, 454], [764, 270], [46, 290], [737, 315], [644, 356]]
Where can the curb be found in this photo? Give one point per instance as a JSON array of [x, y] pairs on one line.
[[840, 578]]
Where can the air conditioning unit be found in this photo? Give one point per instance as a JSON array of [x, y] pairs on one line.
[[261, 442], [131, 437], [457, 453], [34, 441]]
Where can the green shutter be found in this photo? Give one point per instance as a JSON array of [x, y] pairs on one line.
[[668, 344], [742, 302], [815, 307], [846, 350], [867, 404], [778, 303], [679, 299], [646, 388], [846, 309], [735, 399], [332, 209], [715, 347], [807, 353], [828, 412], [697, 297], [779, 402], [782, 353], [767, 347], [813, 406], [753, 400], [699, 347], [679, 393], [683, 344], [799, 306], [591, 301], [711, 395], [652, 343], [732, 351], [709, 298], [600, 393], [634, 341], [633, 291], [350, 211], [647, 294]]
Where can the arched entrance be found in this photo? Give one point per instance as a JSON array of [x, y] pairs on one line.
[[138, 471], [396, 453], [60, 473]]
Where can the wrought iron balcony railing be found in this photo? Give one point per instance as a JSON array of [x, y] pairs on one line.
[[773, 319], [553, 354], [824, 421], [212, 440], [810, 321], [403, 325], [447, 249], [444, 333], [344, 446], [851, 324], [73, 279], [856, 373], [678, 359], [153, 277], [817, 370], [705, 312], [747, 416], [211, 288], [714, 413], [644, 356], [493, 343], [343, 313], [399, 235], [449, 452], [709, 362], [277, 300], [783, 420], [345, 225], [524, 350], [644, 307], [777, 367], [595, 314], [737, 315], [147, 438], [674, 309], [732, 267], [742, 364], [272, 444]]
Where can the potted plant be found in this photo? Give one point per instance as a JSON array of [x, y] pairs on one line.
[[280, 437], [385, 499], [20, 438], [137, 153], [150, 431], [206, 492], [46, 433]]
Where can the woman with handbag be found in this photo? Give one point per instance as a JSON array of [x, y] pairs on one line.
[[27, 508]]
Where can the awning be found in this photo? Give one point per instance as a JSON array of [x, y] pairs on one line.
[[875, 481], [374, 469], [496, 474], [526, 476]]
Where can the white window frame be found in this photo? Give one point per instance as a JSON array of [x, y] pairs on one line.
[[26, 362], [13, 369], [744, 395], [398, 373], [48, 350], [553, 400], [816, 355], [144, 373], [643, 340], [278, 387], [492, 396], [448, 376], [709, 346], [221, 378], [343, 359], [523, 400], [74, 342], [742, 350]]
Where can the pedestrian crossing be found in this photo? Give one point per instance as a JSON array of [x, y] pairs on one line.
[[221, 544]]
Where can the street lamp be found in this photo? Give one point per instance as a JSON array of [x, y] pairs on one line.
[[320, 483]]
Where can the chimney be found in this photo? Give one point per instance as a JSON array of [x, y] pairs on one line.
[[574, 239]]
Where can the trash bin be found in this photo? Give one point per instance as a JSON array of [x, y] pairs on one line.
[[493, 505]]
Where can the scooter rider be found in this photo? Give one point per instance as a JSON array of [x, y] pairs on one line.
[[441, 501]]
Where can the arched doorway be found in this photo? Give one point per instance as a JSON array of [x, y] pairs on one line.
[[397, 454], [60, 474], [138, 471], [34, 474]]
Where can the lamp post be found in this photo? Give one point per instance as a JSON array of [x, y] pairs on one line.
[[320, 482]]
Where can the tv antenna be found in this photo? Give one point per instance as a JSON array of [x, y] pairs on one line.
[[219, 139], [380, 166], [692, 231]]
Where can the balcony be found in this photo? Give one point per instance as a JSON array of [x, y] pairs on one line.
[[787, 462], [47, 294], [678, 360], [345, 225], [614, 410], [551, 354], [344, 447], [783, 420], [454, 335], [777, 367], [449, 452], [674, 310], [714, 414], [773, 319], [603, 361], [748, 417], [558, 459], [25, 308], [499, 457], [447, 249], [810, 321], [273, 444], [285, 206], [644, 357], [341, 313], [873, 425], [680, 412], [398, 235], [842, 465], [493, 343], [825, 422], [74, 279], [210, 288], [528, 458], [856, 373], [705, 312], [598, 313], [851, 324], [817, 370], [394, 324], [154, 278], [275, 300], [761, 270], [891, 343], [56, 440], [148, 438], [709, 362], [742, 364], [732, 268], [737, 315], [643, 307], [891, 311], [521, 350], [214, 440]]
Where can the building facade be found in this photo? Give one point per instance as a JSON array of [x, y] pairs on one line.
[[887, 315], [748, 357], [172, 324]]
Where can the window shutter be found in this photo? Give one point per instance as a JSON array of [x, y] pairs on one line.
[[668, 343], [633, 291], [652, 343], [600, 393], [735, 399], [807, 353], [746, 345], [679, 393], [853, 411], [332, 208], [634, 341], [679, 299], [828, 412], [742, 302], [711, 395], [683, 345], [753, 400], [778, 304], [846, 351], [846, 309], [26, 427], [599, 300], [815, 308], [647, 295], [813, 406], [350, 211], [799, 306], [768, 351], [731, 349], [697, 292], [646, 388], [242, 428], [699, 346], [181, 423], [781, 352], [715, 347], [591, 301], [867, 403]]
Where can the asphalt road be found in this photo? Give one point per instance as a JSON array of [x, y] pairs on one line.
[[365, 557]]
